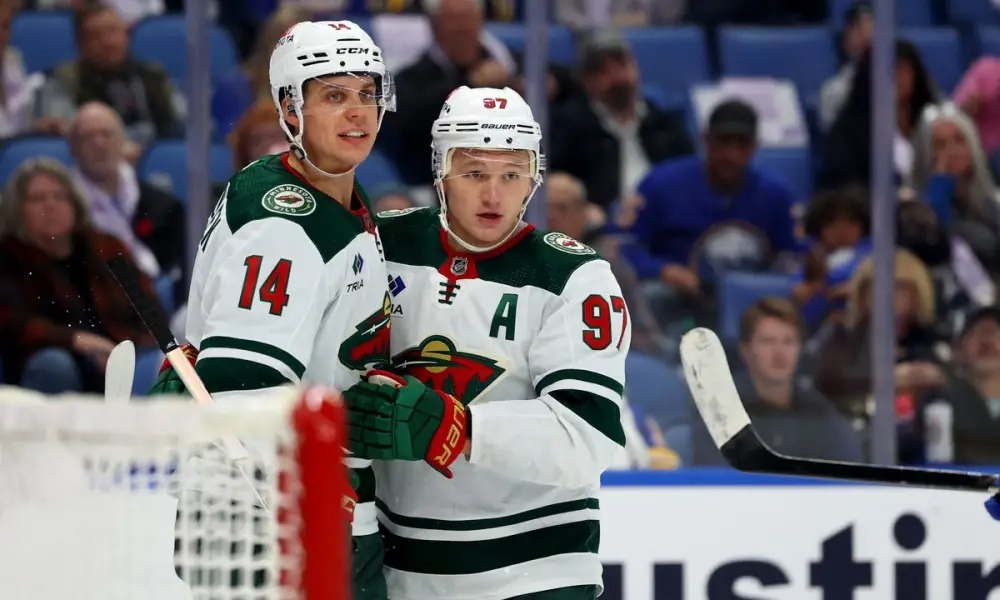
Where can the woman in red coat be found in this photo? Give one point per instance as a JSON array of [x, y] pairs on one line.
[[61, 311]]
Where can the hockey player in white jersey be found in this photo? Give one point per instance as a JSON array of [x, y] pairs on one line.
[[529, 331], [289, 284]]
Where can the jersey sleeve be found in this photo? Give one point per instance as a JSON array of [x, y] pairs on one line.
[[572, 430], [262, 306]]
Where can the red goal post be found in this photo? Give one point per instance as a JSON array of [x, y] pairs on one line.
[[139, 500]]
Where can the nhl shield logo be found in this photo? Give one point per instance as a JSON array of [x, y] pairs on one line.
[[290, 200], [459, 265]]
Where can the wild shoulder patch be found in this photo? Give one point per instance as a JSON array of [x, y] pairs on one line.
[[289, 199], [561, 241]]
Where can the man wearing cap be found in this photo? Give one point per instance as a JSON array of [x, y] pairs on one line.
[[610, 136], [692, 217], [973, 390], [855, 39]]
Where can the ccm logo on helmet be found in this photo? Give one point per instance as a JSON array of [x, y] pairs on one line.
[[497, 126], [352, 50]]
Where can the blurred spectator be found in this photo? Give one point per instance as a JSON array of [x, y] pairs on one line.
[[391, 196], [569, 212], [973, 390], [841, 350], [67, 312], [693, 218], [610, 138], [788, 414], [953, 175], [846, 155], [463, 53], [961, 282], [148, 221], [585, 14], [140, 92], [16, 88], [855, 41], [978, 94], [131, 11], [838, 224], [258, 133]]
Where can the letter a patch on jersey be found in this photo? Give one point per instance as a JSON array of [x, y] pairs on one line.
[[437, 363], [289, 199]]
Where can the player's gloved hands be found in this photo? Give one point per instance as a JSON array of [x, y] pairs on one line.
[[393, 417], [168, 382]]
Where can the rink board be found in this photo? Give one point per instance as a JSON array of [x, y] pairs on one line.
[[724, 535]]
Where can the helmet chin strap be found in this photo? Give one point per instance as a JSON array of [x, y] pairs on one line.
[[443, 218]]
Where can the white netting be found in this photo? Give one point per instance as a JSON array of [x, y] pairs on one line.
[[109, 502]]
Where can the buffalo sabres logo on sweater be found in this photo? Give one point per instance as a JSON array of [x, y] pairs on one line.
[[289, 199], [369, 344], [437, 363]]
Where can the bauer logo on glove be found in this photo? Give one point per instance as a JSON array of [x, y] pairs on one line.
[[399, 418]]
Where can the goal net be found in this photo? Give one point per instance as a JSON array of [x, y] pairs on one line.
[[142, 500]]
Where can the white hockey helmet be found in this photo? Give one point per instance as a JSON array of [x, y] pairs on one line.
[[313, 49], [484, 119]]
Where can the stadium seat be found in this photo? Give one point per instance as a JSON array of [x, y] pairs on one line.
[[766, 52], [737, 291], [909, 13], [164, 40], [791, 165], [164, 163], [562, 51], [971, 12], [941, 51], [44, 37], [668, 81], [15, 151], [988, 40], [232, 96], [376, 170]]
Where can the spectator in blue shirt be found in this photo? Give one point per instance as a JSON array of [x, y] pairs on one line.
[[694, 217]]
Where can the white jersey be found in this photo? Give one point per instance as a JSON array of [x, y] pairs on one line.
[[289, 286], [533, 338]]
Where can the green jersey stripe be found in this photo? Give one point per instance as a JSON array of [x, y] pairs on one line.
[[366, 484], [462, 558], [235, 374], [579, 375], [599, 412], [253, 346], [473, 524]]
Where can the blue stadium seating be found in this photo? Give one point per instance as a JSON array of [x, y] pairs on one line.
[[737, 291], [941, 51], [669, 81], [164, 163], [804, 55], [909, 13], [44, 37], [791, 165], [376, 170], [164, 40], [562, 51], [15, 151], [971, 12], [987, 41]]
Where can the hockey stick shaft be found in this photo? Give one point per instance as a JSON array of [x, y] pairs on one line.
[[156, 322], [711, 383]]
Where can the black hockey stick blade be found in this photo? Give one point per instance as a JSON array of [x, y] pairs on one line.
[[145, 306], [707, 372]]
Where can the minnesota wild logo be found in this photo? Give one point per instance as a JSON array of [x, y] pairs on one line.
[[437, 363], [368, 346]]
